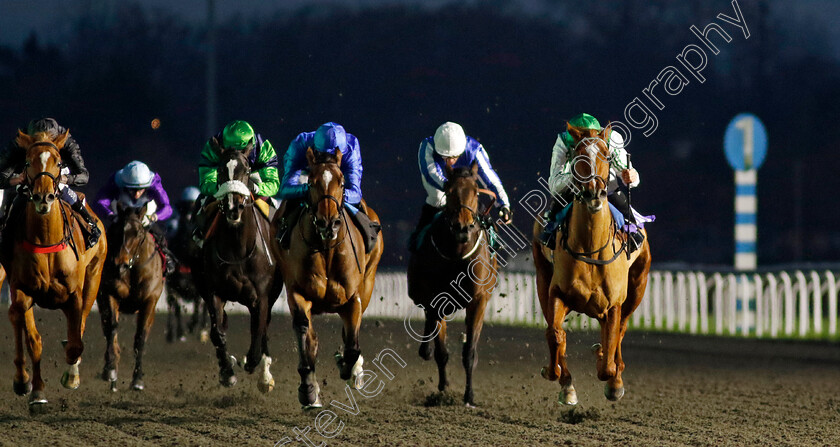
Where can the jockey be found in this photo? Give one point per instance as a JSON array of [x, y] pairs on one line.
[[329, 138], [73, 173], [265, 181], [561, 177], [135, 186], [450, 146]]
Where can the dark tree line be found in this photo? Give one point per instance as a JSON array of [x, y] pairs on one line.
[[392, 75]]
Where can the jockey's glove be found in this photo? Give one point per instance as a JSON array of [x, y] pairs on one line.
[[256, 188], [506, 215], [255, 178]]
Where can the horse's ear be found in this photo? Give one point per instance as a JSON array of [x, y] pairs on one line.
[[448, 170], [215, 145], [61, 139], [575, 132], [606, 132], [474, 167], [23, 139], [338, 156], [310, 156], [248, 148]]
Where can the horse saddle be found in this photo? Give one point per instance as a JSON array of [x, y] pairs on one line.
[[369, 229]]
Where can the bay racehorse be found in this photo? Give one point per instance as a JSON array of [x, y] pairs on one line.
[[454, 269], [589, 270], [49, 267], [326, 270], [180, 285], [237, 265], [132, 281]]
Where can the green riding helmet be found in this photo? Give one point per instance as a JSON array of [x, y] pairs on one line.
[[585, 121], [237, 135]]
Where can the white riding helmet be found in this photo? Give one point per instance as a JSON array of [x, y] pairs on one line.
[[135, 175], [189, 194], [450, 140]]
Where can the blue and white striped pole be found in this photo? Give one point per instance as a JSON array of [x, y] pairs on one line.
[[746, 233]]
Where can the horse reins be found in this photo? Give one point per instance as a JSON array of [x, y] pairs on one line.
[[62, 244]]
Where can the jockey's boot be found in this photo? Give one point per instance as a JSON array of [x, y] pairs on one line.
[[291, 214], [636, 238], [549, 233], [427, 215], [163, 245], [370, 229], [91, 231]]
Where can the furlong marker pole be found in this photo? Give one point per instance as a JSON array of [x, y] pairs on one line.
[[746, 205]]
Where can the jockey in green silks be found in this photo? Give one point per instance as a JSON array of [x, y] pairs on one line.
[[622, 178], [265, 180]]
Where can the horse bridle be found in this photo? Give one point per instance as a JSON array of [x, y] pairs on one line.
[[584, 256], [136, 255], [31, 181], [476, 218]]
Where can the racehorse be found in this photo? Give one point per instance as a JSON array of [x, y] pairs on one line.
[[49, 267], [237, 265], [132, 281], [454, 269], [181, 284], [326, 270], [589, 271]]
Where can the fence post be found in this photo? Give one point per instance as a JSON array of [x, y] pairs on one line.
[[802, 288], [773, 301], [682, 301], [817, 297], [704, 302], [719, 309], [831, 285], [732, 318]]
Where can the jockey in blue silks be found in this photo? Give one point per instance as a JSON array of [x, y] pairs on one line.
[[451, 146], [329, 138]]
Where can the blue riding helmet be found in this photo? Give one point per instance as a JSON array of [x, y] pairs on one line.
[[329, 137]]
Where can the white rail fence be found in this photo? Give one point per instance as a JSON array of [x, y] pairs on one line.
[[789, 304]]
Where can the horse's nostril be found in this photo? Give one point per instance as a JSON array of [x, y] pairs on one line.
[[36, 197], [322, 223], [50, 197], [241, 206]]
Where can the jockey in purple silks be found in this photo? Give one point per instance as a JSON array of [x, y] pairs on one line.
[[135, 186]]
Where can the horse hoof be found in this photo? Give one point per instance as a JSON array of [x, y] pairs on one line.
[[357, 377], [425, 351], [137, 385], [471, 406], [313, 406], [182, 339], [113, 386], [37, 403], [70, 381], [613, 394], [228, 382], [22, 388], [596, 348], [568, 396], [266, 387], [204, 336]]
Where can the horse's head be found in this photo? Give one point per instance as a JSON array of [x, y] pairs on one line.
[[326, 192], [232, 179], [43, 167], [461, 210], [127, 229], [590, 165]]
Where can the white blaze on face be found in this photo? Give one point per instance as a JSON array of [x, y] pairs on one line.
[[45, 158], [231, 165], [327, 178]]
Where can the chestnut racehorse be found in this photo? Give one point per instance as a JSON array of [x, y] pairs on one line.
[[237, 265], [49, 268], [591, 272], [326, 270], [452, 270], [132, 281]]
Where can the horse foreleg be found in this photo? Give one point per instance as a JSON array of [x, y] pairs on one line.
[[474, 322], [110, 316], [145, 319], [217, 336], [33, 344], [425, 351], [22, 384], [555, 314], [637, 283], [441, 356], [307, 342], [174, 322], [351, 362], [71, 379], [605, 364], [259, 314]]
